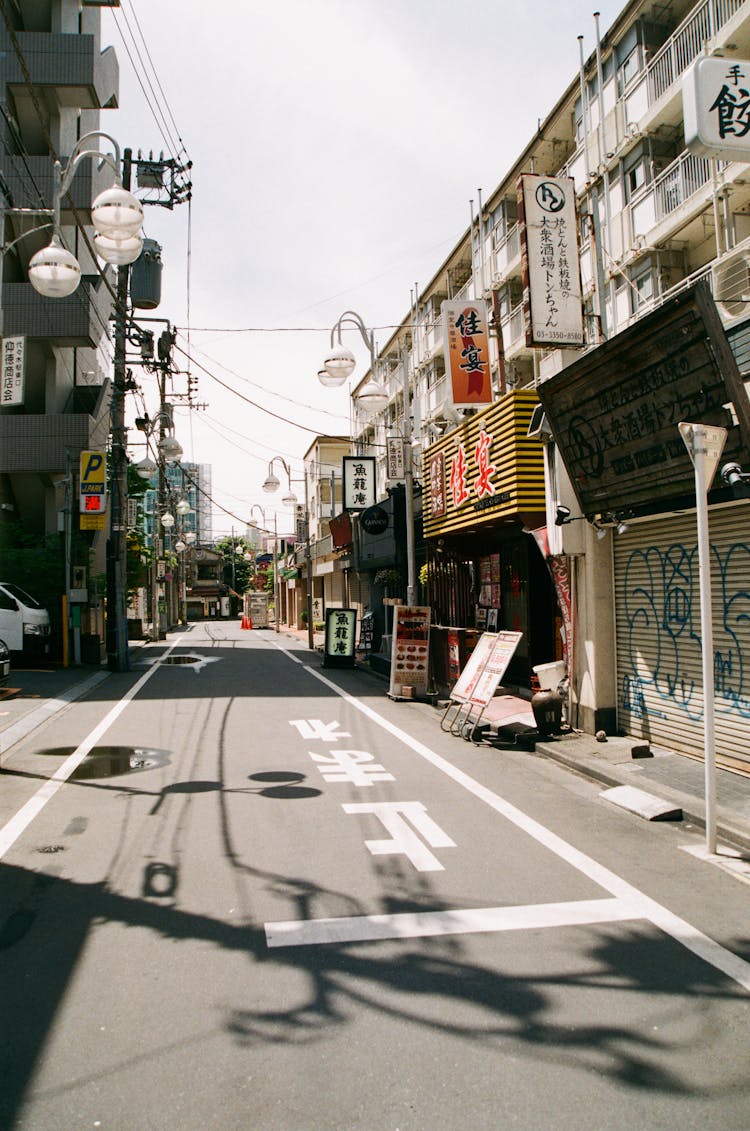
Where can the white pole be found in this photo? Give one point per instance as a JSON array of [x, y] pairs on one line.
[[411, 572], [707, 637]]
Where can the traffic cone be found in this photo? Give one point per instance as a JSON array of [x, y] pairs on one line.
[[247, 621]]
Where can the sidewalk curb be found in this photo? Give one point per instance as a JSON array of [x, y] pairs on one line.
[[45, 711], [693, 808]]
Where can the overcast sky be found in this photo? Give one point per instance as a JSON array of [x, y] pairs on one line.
[[336, 145]]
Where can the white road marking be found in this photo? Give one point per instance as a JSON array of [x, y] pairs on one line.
[[398, 816], [423, 924], [11, 831], [683, 932]]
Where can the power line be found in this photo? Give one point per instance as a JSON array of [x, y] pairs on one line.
[[247, 400], [158, 83], [271, 392]]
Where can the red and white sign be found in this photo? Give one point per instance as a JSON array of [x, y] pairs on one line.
[[467, 351]]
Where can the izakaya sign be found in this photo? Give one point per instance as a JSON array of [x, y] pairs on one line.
[[716, 108], [467, 352], [553, 314]]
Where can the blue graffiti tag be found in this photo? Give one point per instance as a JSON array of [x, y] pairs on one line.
[[663, 637]]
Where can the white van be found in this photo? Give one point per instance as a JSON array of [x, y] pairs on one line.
[[24, 623]]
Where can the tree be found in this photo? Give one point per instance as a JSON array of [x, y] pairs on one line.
[[237, 570]]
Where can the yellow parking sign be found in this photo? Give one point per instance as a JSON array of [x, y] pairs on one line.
[[93, 497]]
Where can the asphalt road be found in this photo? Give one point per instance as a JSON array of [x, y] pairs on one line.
[[248, 892]]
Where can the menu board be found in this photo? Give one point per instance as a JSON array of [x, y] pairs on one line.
[[410, 651], [474, 668], [501, 653]]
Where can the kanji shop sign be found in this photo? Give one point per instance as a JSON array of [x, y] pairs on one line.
[[716, 108], [467, 351], [477, 482], [12, 386], [359, 482], [340, 638], [615, 413], [437, 484], [553, 312]]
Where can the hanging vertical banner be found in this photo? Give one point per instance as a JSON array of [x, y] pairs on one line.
[[12, 387], [552, 307], [437, 485], [394, 457], [359, 482], [467, 351]]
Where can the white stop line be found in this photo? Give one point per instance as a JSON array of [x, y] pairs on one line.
[[627, 903]]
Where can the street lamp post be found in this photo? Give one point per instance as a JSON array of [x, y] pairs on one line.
[[271, 484], [54, 272], [169, 450], [338, 365]]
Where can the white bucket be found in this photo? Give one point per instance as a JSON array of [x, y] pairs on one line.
[[550, 675]]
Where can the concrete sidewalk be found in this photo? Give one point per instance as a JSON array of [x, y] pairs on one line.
[[35, 695]]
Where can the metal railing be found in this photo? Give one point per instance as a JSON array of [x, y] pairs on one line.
[[679, 181], [687, 43]]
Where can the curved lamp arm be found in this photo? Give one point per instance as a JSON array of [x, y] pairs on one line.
[[351, 317]]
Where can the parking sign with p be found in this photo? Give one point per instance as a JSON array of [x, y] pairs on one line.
[[93, 498]]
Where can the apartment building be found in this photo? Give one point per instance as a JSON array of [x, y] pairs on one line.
[[605, 578], [56, 79]]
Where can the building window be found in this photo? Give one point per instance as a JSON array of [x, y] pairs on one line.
[[628, 69], [642, 289]]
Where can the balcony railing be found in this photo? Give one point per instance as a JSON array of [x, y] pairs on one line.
[[679, 181], [508, 249], [687, 43]]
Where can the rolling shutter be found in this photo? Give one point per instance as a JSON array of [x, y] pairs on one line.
[[657, 605]]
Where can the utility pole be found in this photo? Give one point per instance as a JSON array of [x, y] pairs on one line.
[[118, 656]]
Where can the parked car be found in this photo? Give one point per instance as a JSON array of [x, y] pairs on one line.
[[24, 623], [4, 663]]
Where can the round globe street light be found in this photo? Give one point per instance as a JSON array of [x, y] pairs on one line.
[[167, 520], [183, 507], [180, 546], [118, 252], [339, 364], [117, 216], [372, 397], [190, 537], [116, 213], [170, 449], [54, 271], [146, 468], [328, 381]]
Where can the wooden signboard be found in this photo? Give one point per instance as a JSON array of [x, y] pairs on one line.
[[614, 413]]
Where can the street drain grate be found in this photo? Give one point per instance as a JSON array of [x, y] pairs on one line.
[[174, 660]]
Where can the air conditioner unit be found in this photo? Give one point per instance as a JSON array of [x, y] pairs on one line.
[[730, 279]]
